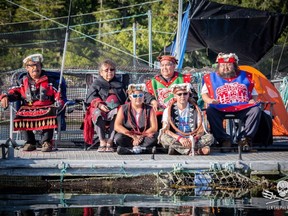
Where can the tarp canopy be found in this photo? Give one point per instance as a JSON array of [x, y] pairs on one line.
[[225, 28]]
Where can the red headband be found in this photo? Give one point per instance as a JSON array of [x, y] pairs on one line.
[[227, 60], [168, 58]]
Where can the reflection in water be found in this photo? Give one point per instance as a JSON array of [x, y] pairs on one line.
[[135, 204], [145, 211]]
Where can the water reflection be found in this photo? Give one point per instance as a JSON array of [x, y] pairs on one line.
[[149, 211], [135, 204]]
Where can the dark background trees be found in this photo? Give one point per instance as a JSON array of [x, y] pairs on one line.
[[99, 29]]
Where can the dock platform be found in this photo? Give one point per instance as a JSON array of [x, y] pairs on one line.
[[78, 162]]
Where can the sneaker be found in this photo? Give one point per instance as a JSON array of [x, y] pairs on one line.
[[245, 143], [29, 147], [137, 149], [46, 147], [123, 150], [226, 146]]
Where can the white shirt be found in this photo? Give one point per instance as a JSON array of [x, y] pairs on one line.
[[184, 116]]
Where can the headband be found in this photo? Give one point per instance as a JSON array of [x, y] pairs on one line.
[[168, 58], [227, 58]]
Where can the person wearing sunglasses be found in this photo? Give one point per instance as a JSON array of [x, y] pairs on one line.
[[39, 102], [136, 124], [159, 85], [104, 97], [182, 131]]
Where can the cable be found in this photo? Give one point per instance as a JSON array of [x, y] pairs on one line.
[[73, 16], [101, 42], [58, 28], [71, 26]]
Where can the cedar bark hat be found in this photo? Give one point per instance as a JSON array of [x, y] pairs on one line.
[[136, 87], [34, 58], [168, 58], [181, 87], [227, 58]]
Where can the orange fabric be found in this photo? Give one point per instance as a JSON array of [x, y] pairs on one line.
[[268, 93]]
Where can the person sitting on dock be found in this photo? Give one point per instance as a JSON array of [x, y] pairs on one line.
[[231, 91], [104, 97], [40, 101], [159, 85], [136, 124], [182, 131]]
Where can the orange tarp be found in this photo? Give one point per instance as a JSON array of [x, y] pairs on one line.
[[268, 93]]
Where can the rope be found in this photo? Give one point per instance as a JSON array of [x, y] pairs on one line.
[[63, 171], [62, 199], [122, 169], [229, 167], [215, 166]]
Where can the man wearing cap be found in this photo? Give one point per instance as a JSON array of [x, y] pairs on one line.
[[182, 131], [159, 85], [38, 95], [231, 91]]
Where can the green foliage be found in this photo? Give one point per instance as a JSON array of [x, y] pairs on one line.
[[99, 29]]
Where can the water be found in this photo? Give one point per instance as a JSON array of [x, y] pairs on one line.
[[61, 204], [146, 211]]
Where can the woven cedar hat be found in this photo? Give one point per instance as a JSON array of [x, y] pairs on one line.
[[34, 58], [227, 58], [181, 87], [136, 87], [168, 58]]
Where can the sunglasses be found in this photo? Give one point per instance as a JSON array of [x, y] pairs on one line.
[[166, 65], [33, 65], [137, 95], [180, 94], [111, 69]]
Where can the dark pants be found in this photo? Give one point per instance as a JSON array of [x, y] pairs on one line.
[[251, 118], [46, 135], [126, 141]]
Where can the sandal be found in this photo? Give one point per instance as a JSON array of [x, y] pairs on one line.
[[102, 147], [109, 146]]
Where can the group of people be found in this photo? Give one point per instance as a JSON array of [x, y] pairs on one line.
[[161, 113]]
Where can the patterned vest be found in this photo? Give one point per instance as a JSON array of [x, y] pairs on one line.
[[191, 121], [233, 94], [160, 89]]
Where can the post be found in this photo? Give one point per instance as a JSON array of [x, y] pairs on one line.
[[65, 46], [134, 44], [150, 37], [179, 29]]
